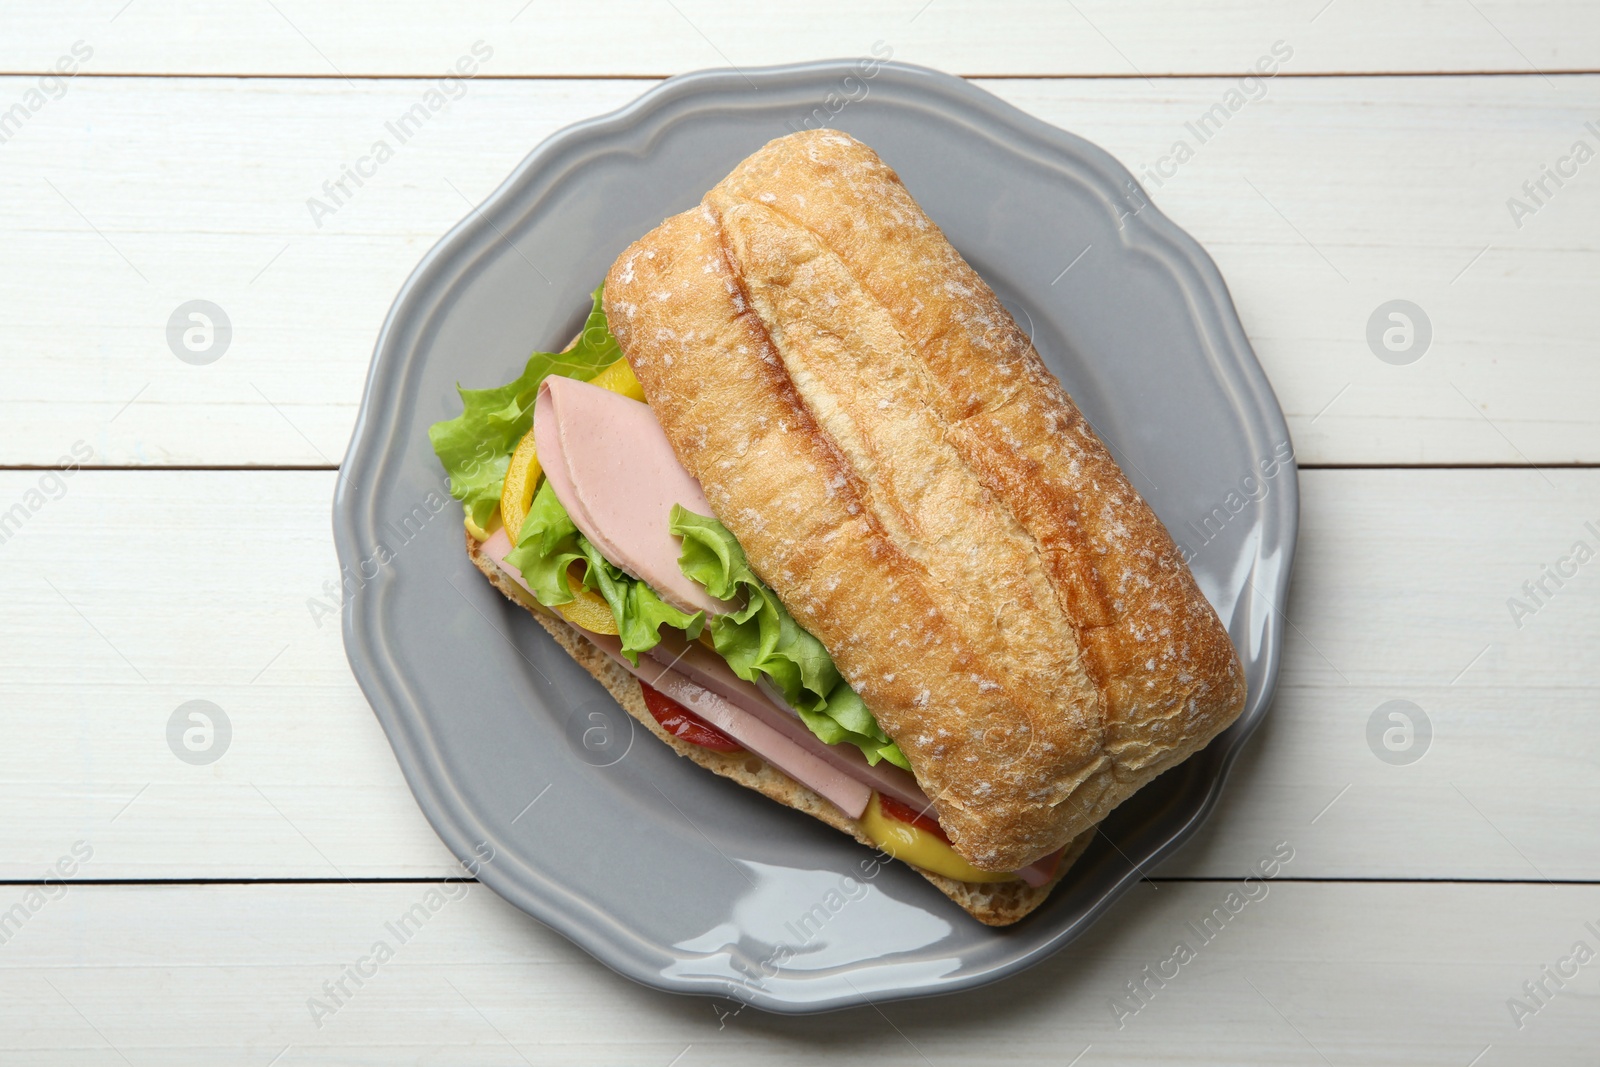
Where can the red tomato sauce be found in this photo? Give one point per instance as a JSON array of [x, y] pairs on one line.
[[684, 724], [906, 813]]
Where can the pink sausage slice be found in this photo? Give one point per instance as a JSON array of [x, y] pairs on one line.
[[1041, 871], [614, 471], [847, 793], [496, 548], [710, 671], [796, 755]]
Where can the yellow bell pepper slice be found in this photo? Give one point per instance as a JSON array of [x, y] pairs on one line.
[[619, 378], [522, 474], [522, 478], [588, 608], [914, 845]]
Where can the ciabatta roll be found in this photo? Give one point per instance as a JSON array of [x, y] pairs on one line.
[[902, 470]]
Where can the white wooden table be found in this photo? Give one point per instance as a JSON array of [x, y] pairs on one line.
[[189, 558]]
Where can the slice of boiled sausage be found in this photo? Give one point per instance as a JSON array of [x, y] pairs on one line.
[[612, 468]]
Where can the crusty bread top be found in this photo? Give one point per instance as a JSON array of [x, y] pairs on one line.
[[919, 491]]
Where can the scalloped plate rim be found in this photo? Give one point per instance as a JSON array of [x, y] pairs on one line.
[[606, 938]]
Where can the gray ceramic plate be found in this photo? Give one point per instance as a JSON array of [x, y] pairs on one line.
[[668, 874]]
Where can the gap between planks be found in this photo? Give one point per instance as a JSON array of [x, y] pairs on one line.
[[661, 76]]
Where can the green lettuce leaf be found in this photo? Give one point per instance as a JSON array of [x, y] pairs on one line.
[[547, 547], [761, 639], [476, 446], [639, 610]]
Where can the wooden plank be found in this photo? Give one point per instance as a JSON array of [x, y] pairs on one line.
[[1339, 196], [1402, 592], [1404, 197], [642, 37], [200, 212], [134, 628], [1307, 973], [138, 591]]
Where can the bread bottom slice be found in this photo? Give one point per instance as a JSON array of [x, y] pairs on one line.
[[991, 903]]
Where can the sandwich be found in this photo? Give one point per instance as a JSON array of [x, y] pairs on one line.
[[807, 502]]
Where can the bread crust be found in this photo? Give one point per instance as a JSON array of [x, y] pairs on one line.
[[991, 903], [867, 419]]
